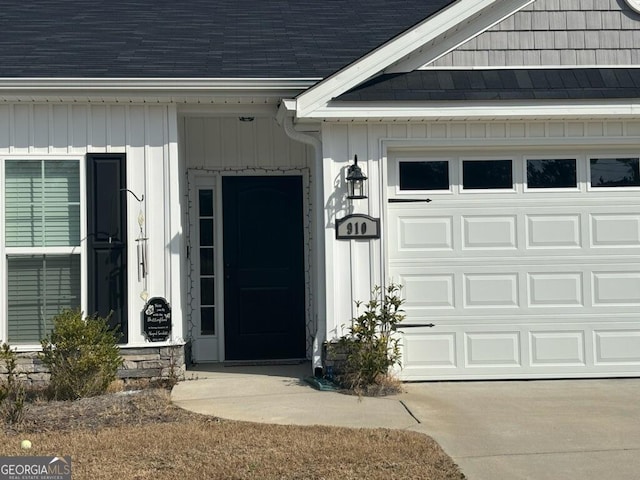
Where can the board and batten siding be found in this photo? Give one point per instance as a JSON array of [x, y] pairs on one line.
[[148, 136], [555, 32], [355, 266], [219, 143]]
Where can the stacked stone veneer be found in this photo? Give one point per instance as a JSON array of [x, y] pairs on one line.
[[335, 358], [153, 363]]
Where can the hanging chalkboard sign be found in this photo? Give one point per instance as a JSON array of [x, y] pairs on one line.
[[156, 323]]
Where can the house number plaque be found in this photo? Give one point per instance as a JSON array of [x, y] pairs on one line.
[[353, 227], [156, 324]]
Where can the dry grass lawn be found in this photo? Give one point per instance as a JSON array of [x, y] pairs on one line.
[[143, 436]]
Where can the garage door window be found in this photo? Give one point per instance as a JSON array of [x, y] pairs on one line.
[[615, 172], [424, 175], [551, 173], [487, 174]]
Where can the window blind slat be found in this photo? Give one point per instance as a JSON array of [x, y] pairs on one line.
[[38, 288], [42, 201]]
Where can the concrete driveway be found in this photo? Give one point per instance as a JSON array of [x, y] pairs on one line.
[[578, 429]]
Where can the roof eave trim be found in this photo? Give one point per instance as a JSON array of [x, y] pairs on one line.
[[174, 85], [606, 108]]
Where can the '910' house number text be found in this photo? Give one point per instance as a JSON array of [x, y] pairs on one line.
[[357, 226]]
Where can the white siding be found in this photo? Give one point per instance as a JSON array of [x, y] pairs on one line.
[[553, 32], [217, 143], [148, 136]]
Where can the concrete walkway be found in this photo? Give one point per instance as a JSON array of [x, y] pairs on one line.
[[278, 394], [581, 429]]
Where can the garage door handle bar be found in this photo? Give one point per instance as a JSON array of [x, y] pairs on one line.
[[409, 200]]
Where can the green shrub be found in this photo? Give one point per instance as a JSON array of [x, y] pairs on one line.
[[82, 355], [371, 347], [12, 391]]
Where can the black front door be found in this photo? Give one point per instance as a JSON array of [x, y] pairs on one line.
[[264, 313]]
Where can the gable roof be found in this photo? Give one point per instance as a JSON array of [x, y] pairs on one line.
[[500, 84], [429, 39], [390, 83], [197, 38]]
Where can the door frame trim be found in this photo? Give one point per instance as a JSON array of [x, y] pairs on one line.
[[198, 177]]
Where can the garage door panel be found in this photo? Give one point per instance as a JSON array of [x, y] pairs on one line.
[[616, 288], [482, 319], [495, 290], [489, 232], [555, 289], [493, 349], [429, 291], [424, 234], [528, 351], [431, 350], [557, 348], [535, 289], [554, 231], [615, 230], [615, 347], [563, 231]]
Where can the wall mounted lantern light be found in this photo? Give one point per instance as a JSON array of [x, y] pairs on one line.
[[356, 181]]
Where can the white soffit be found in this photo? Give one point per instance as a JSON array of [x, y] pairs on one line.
[[432, 38]]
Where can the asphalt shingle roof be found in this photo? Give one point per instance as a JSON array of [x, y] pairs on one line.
[[197, 38], [500, 84]]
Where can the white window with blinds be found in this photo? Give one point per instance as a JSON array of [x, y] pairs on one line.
[[42, 228]]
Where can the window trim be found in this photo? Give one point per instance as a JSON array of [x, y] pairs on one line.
[[57, 250]]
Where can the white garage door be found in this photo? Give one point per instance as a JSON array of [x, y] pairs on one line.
[[528, 265]]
